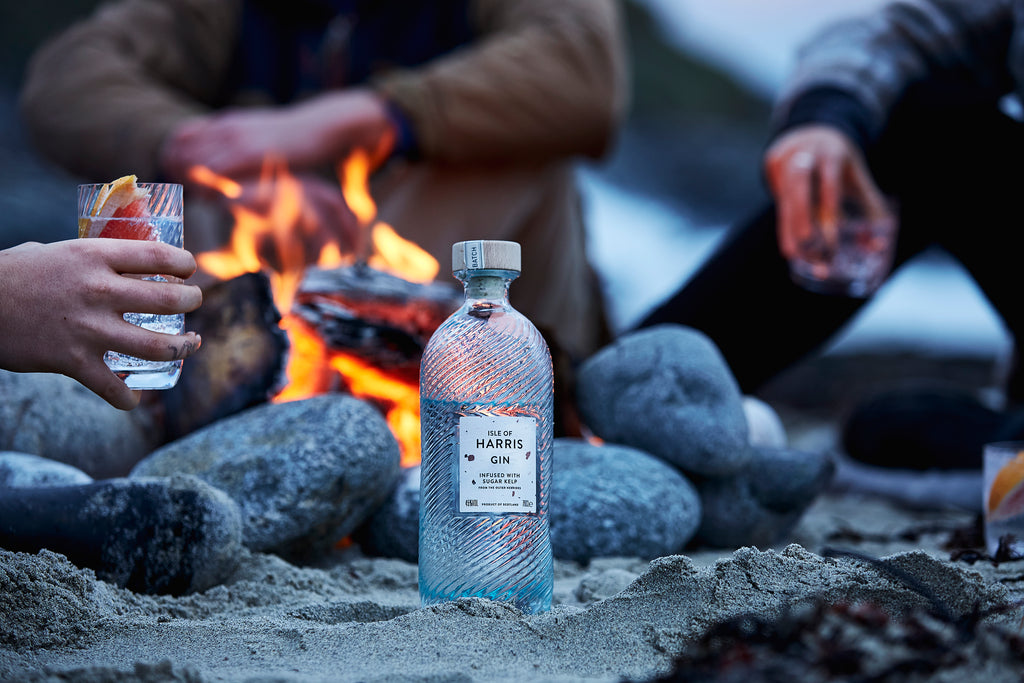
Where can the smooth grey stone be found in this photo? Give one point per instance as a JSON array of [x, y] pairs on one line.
[[667, 391], [605, 501], [617, 501], [22, 470], [55, 417], [759, 506], [305, 474], [764, 426], [596, 586], [394, 529], [785, 479], [162, 535]]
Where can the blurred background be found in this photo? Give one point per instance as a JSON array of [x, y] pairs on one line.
[[687, 166]]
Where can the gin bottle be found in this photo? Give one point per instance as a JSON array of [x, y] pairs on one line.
[[486, 398]]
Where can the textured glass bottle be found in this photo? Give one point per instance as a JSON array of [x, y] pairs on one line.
[[486, 398]]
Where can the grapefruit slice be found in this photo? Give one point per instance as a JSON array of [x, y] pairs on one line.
[[121, 211], [1006, 495]]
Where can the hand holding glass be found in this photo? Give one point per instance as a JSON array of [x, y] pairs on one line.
[[156, 214], [853, 258]]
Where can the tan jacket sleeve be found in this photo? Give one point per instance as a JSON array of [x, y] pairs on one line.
[[100, 98], [547, 80]]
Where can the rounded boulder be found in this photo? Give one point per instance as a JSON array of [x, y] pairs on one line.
[[305, 474], [667, 391], [759, 506], [22, 470], [393, 530], [57, 418], [613, 501]]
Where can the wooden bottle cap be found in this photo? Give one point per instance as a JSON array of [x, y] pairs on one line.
[[486, 254]]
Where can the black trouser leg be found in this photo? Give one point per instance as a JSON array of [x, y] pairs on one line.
[[959, 173], [743, 298]]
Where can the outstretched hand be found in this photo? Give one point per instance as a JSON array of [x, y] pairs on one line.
[[62, 306], [322, 217], [810, 171], [314, 133]]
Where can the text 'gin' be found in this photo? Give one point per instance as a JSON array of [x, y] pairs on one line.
[[486, 398]]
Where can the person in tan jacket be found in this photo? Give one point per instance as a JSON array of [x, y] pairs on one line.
[[476, 110]]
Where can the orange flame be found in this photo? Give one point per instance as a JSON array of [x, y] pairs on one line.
[[201, 175], [264, 241], [403, 415], [355, 186], [271, 241], [401, 257], [308, 371]]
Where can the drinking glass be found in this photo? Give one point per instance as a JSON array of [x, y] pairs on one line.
[[162, 222], [853, 264], [1003, 496]]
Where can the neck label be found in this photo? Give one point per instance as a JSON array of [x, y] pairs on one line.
[[497, 464], [475, 255]]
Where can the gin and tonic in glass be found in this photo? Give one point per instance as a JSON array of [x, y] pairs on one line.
[[127, 209]]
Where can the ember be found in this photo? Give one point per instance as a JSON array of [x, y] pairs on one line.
[[382, 318]]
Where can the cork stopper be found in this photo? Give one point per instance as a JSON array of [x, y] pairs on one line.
[[486, 254]]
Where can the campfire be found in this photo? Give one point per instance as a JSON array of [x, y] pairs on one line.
[[356, 318]]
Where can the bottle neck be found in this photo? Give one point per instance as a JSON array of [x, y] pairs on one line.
[[486, 289]]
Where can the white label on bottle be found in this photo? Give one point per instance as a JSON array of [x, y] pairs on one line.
[[497, 464], [475, 255]]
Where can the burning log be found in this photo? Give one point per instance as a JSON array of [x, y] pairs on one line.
[[378, 317], [241, 361]]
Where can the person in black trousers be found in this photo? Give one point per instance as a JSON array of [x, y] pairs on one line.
[[907, 106]]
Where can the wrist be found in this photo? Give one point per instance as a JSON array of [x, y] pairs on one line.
[[350, 119], [832, 107], [406, 143]]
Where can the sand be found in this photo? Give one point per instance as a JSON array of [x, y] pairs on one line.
[[359, 619]]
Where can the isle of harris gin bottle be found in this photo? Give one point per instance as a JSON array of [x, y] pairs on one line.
[[486, 400]]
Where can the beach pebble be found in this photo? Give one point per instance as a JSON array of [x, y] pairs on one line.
[[161, 535], [55, 417], [763, 424], [667, 391], [19, 470], [305, 474], [394, 530], [598, 585], [617, 501], [760, 505]]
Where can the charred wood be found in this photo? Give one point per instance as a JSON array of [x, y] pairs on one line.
[[241, 362]]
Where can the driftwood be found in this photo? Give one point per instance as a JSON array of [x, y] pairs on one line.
[[377, 317], [387, 321], [241, 362]]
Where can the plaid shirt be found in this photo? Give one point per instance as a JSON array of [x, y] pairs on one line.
[[852, 73]]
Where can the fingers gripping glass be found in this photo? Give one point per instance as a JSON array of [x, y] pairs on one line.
[[851, 258], [125, 209]]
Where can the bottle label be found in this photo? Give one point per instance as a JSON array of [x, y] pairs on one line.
[[475, 255], [497, 464]]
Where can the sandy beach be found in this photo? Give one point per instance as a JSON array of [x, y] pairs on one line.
[[861, 589], [358, 619]]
